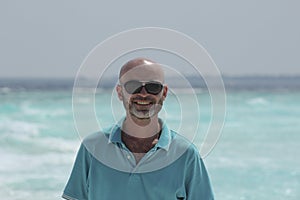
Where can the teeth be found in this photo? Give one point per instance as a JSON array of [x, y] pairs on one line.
[[143, 102]]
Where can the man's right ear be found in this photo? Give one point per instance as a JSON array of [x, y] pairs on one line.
[[119, 92]]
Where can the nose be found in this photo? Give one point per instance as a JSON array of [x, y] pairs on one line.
[[143, 91]]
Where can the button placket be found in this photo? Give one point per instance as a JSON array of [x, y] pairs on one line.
[[142, 161], [128, 155]]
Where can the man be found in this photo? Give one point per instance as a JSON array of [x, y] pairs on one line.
[[139, 158]]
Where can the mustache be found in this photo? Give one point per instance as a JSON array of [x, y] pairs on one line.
[[140, 98]]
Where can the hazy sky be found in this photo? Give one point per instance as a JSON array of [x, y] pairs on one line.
[[51, 38]]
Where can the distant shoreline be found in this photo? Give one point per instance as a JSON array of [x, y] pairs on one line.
[[230, 82]]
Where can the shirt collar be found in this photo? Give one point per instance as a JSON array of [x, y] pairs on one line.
[[163, 142]]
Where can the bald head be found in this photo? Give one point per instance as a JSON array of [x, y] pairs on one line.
[[134, 63]]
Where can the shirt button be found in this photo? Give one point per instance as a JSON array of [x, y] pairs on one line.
[[128, 157]]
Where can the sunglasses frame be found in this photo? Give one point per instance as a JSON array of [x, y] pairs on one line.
[[143, 84]]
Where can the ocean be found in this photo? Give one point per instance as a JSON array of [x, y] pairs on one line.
[[256, 157]]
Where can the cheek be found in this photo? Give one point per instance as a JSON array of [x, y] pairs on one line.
[[126, 98], [122, 96], [162, 97]]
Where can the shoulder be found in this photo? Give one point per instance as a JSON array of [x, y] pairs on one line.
[[180, 142], [95, 140], [184, 149], [94, 137]]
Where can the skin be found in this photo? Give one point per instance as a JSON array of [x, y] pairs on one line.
[[141, 109]]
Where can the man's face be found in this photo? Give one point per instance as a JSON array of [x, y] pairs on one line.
[[142, 80]]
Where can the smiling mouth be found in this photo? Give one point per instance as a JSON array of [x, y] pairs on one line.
[[143, 102]]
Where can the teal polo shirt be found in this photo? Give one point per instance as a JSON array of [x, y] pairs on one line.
[[105, 169]]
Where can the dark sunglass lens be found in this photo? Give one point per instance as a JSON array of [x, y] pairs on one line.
[[133, 87], [153, 88]]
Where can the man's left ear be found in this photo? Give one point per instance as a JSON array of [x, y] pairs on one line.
[[165, 92]]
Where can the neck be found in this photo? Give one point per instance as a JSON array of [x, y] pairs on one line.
[[142, 128]]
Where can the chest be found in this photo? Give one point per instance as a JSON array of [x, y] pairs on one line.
[[113, 184]]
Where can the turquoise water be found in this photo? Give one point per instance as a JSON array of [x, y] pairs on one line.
[[257, 156]]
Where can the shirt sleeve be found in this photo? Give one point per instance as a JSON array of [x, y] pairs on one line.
[[77, 185], [198, 184]]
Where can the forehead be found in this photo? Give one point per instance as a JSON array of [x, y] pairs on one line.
[[146, 72]]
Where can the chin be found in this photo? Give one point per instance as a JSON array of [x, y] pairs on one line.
[[143, 114]]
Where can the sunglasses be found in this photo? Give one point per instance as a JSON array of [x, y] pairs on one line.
[[134, 87]]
